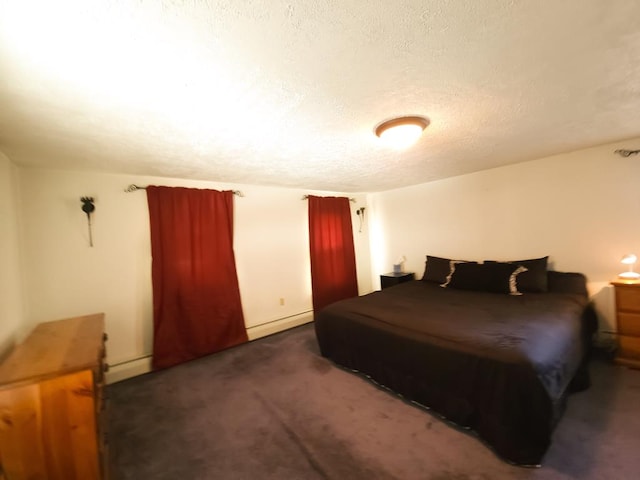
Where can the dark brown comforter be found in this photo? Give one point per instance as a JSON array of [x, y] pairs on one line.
[[498, 364]]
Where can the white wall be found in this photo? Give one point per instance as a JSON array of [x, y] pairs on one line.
[[65, 277], [580, 208], [11, 314]]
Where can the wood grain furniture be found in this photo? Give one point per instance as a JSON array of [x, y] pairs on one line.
[[391, 279], [628, 318], [52, 411]]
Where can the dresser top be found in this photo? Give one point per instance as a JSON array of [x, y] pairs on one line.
[[56, 347], [625, 283]]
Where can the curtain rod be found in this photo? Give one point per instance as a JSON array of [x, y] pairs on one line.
[[305, 197], [626, 153], [133, 188]]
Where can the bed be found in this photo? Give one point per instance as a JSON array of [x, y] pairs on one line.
[[500, 363]]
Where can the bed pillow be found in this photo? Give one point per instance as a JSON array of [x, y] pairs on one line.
[[534, 280], [494, 277], [567, 282], [438, 269]]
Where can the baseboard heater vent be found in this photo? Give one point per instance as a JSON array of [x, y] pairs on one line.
[[141, 365], [279, 325]]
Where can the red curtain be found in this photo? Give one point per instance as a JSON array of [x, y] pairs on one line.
[[196, 298], [333, 258]]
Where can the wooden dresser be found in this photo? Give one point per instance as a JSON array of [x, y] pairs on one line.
[[52, 412], [628, 319]]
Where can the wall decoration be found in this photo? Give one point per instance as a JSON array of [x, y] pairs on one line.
[[88, 207]]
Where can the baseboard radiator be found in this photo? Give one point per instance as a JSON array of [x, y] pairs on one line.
[[141, 365]]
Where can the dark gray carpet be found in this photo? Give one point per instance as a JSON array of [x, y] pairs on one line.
[[275, 409]]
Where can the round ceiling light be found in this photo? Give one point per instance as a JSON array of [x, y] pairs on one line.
[[402, 131]]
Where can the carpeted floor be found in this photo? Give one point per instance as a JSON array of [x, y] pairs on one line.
[[275, 409]]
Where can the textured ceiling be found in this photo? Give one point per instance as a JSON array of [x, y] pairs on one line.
[[287, 93]]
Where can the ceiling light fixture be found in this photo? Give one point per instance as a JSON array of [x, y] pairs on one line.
[[402, 131]]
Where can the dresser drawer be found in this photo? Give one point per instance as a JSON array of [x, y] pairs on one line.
[[629, 324], [628, 298], [629, 347]]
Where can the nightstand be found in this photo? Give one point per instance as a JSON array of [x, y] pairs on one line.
[[628, 318], [391, 279]]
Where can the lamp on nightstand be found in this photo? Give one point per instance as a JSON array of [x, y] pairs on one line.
[[629, 259]]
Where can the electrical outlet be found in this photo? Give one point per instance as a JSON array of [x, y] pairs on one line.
[[282, 301]]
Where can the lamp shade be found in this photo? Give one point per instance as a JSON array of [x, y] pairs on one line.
[[629, 259]]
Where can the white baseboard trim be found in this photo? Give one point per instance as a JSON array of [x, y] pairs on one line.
[[142, 365], [129, 369], [279, 325]]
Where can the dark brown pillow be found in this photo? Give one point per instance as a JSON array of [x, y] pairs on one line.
[[567, 282], [438, 269], [492, 277], [534, 280]]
